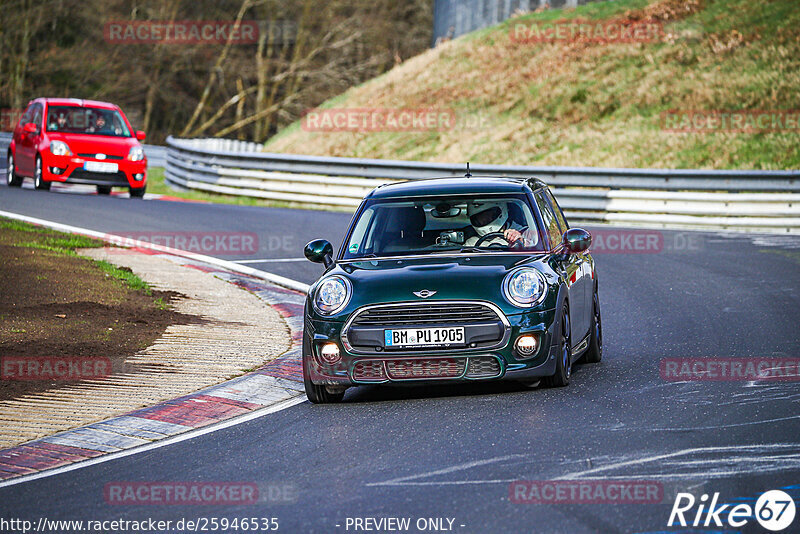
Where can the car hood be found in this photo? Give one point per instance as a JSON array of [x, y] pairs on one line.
[[93, 144], [473, 277]]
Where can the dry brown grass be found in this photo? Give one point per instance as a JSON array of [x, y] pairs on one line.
[[587, 103]]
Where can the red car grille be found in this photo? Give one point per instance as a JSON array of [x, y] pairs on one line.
[[94, 155], [117, 178]]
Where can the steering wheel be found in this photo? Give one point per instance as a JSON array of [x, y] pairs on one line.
[[501, 235]]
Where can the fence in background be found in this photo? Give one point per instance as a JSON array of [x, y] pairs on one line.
[[452, 18], [743, 200]]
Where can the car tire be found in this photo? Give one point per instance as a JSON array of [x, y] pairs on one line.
[[103, 189], [11, 173], [595, 352], [564, 354], [137, 192], [316, 393], [38, 180]]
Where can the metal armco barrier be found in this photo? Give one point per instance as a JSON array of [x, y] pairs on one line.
[[742, 200], [5, 141]]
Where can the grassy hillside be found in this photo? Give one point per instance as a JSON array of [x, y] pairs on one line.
[[588, 103]]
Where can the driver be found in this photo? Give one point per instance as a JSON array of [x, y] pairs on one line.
[[492, 218], [98, 125]]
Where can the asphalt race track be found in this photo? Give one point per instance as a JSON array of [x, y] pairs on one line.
[[452, 452]]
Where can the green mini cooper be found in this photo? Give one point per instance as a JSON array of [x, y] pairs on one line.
[[452, 279]]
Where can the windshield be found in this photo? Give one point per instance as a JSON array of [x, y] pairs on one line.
[[84, 120], [455, 224]]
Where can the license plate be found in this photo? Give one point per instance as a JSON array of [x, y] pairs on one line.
[[100, 166], [422, 337]]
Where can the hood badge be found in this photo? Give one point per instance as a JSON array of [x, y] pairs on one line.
[[425, 293]]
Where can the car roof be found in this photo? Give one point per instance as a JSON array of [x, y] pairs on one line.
[[456, 186], [78, 102]]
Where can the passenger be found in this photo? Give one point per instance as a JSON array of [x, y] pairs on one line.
[[99, 125]]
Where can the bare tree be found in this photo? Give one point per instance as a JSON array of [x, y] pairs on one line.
[[306, 52]]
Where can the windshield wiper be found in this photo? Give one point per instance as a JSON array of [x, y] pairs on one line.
[[469, 250]]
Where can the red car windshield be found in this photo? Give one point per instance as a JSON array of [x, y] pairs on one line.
[[85, 120]]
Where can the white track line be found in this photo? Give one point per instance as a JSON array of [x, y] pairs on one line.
[[114, 239], [270, 260]]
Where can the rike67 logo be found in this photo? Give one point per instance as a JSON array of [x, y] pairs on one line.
[[774, 510]]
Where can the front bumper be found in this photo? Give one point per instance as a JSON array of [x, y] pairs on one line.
[[72, 172], [426, 366]]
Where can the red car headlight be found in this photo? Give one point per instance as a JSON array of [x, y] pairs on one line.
[[136, 153], [59, 148]]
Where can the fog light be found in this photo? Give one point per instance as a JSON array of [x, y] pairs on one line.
[[329, 352], [138, 177], [56, 170], [526, 345]]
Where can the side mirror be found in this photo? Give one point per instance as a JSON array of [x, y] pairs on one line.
[[140, 135], [31, 128], [320, 251], [577, 240]]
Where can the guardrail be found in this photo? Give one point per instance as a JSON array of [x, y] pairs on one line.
[[743, 200], [156, 155], [5, 140]]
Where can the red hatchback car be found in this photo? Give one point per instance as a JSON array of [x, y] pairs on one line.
[[77, 142]]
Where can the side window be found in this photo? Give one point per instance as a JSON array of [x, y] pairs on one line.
[[37, 115], [562, 222], [361, 239], [549, 219], [26, 117]]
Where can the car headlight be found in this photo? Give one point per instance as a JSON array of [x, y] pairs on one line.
[[525, 287], [136, 153], [332, 295], [59, 148]]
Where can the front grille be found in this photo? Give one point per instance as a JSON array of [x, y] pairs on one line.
[[426, 368], [108, 178], [418, 314], [369, 370], [483, 367], [485, 326], [429, 368], [108, 156]]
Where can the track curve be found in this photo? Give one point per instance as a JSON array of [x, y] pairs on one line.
[[451, 451]]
